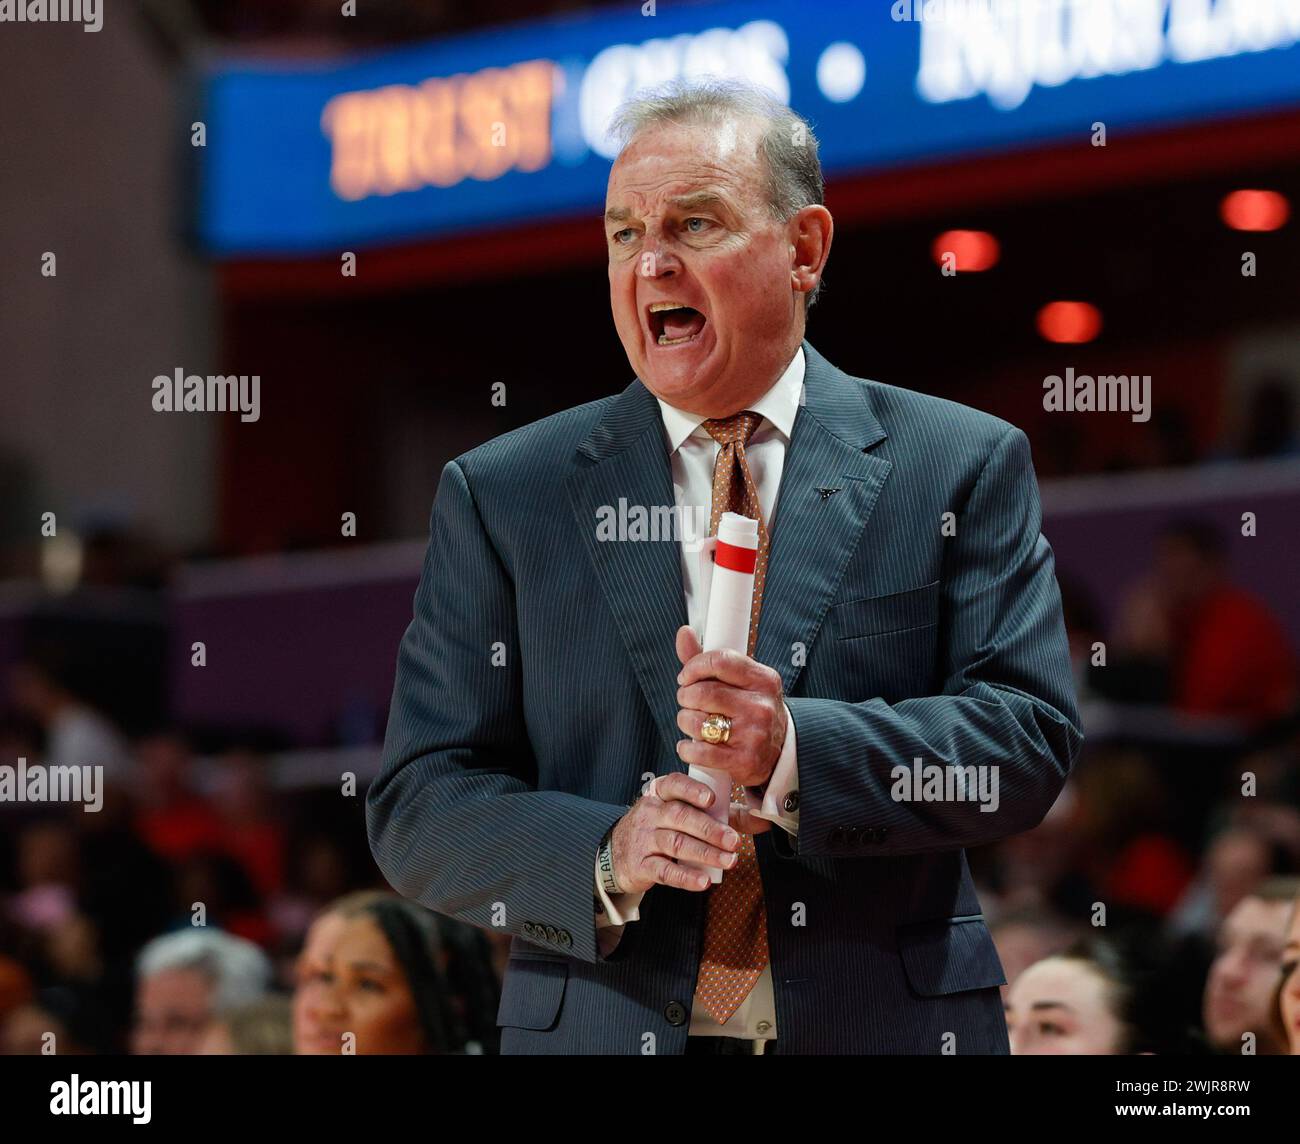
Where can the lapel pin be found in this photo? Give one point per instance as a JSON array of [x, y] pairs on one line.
[[828, 493]]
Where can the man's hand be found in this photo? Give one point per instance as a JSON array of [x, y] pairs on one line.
[[748, 693], [667, 823]]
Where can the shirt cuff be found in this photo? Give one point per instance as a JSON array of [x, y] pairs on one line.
[[615, 909], [779, 802]]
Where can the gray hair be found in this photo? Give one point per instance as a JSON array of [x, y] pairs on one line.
[[788, 143], [239, 971]]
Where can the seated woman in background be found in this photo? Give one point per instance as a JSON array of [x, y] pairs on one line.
[[1093, 999], [379, 974], [1288, 990]]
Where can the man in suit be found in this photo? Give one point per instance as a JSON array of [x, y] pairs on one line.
[[906, 692]]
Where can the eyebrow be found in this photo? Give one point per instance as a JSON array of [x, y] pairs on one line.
[[1040, 1005], [694, 200], [697, 199], [373, 966]]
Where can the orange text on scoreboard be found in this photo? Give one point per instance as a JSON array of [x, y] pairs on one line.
[[437, 133]]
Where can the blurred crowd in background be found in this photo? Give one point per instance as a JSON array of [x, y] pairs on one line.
[[1149, 912]]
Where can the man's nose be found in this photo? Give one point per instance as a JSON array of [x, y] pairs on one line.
[[658, 259], [1232, 967]]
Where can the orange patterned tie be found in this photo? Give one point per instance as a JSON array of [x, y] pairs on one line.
[[735, 933]]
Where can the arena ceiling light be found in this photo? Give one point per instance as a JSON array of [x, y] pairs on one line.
[[1255, 210], [1071, 323], [966, 251]]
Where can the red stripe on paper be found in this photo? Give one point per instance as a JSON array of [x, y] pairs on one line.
[[737, 559]]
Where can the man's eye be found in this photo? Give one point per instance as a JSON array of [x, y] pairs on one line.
[[704, 224], [619, 235]]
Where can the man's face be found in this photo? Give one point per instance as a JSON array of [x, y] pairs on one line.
[[1239, 989], [173, 1009], [688, 222]]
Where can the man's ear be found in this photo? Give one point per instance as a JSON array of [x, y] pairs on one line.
[[811, 231]]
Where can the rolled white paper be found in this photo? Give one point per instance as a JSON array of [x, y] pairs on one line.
[[727, 578]]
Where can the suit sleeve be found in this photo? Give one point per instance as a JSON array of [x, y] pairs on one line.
[[1007, 699], [454, 817]]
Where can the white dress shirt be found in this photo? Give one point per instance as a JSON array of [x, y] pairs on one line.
[[693, 455]]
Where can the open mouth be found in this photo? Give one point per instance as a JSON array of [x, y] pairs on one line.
[[673, 324]]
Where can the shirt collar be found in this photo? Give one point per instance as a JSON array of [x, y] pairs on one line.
[[778, 406]]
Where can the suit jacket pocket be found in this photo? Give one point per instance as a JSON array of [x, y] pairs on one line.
[[532, 992], [880, 615], [949, 955]]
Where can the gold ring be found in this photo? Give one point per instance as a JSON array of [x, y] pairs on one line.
[[716, 729]]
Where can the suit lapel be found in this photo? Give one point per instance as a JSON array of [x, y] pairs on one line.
[[641, 579], [815, 532]]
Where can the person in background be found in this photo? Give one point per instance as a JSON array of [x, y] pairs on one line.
[[1093, 999], [262, 1028], [250, 828], [1240, 988], [374, 977], [1239, 859], [1225, 653], [37, 1029], [227, 892], [186, 980], [48, 869], [76, 735], [1287, 1007], [1128, 836], [172, 817], [319, 870]]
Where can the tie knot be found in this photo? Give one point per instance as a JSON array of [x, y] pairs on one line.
[[738, 427]]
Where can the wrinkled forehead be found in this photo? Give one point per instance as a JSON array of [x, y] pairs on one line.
[[668, 160]]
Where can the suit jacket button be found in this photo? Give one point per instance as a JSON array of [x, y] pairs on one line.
[[676, 1013], [837, 836], [552, 934], [530, 930], [851, 836], [566, 939], [880, 833], [791, 802]]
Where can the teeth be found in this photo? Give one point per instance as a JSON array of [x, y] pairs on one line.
[[662, 307]]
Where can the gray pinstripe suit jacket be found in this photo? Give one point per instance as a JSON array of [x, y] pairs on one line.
[[536, 690]]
